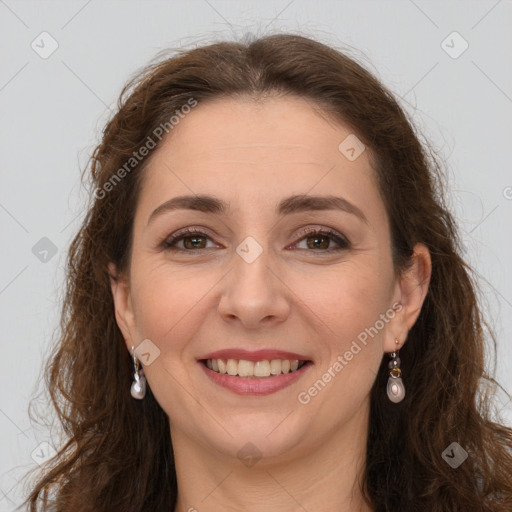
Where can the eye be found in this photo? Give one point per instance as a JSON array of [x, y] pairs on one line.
[[320, 240], [316, 239], [191, 238]]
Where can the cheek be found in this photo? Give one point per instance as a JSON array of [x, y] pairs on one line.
[[167, 304], [169, 311], [349, 307], [349, 298]]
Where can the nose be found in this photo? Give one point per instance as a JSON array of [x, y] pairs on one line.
[[254, 296]]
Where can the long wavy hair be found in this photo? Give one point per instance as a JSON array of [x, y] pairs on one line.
[[118, 453]]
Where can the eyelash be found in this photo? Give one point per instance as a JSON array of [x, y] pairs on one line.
[[168, 243]]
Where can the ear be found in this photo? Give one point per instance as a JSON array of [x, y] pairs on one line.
[[411, 290], [125, 316]]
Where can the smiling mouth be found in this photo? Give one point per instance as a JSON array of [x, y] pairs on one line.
[[264, 369]]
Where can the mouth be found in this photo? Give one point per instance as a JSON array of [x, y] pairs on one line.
[[245, 369], [254, 373]]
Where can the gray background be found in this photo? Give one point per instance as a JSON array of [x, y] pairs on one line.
[[53, 110]]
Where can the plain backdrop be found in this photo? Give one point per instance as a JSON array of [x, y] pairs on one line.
[[63, 65]]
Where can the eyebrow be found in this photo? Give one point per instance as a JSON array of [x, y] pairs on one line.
[[292, 204]]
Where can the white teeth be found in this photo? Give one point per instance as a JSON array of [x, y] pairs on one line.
[[275, 366], [232, 366], [245, 368], [222, 365], [261, 369]]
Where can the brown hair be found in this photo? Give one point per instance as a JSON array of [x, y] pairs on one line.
[[119, 453]]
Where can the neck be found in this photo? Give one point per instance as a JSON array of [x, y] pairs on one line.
[[327, 477]]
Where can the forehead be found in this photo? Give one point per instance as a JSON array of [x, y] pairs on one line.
[[252, 152], [277, 127]]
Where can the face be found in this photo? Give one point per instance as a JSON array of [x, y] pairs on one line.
[[269, 273]]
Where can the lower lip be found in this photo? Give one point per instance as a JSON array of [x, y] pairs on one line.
[[256, 386]]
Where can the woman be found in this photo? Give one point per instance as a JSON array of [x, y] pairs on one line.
[[266, 304]]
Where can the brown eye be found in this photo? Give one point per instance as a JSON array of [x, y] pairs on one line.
[[321, 241], [192, 240], [318, 242]]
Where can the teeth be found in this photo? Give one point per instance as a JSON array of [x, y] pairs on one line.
[[232, 367], [222, 365], [262, 369], [245, 368], [275, 366]]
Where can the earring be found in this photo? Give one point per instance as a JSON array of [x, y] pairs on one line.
[[138, 389], [395, 387]]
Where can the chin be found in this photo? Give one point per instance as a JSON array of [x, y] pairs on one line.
[[264, 436]]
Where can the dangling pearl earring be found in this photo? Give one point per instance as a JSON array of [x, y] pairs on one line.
[[138, 389], [395, 387]]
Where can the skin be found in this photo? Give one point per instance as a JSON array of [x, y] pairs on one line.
[[252, 155]]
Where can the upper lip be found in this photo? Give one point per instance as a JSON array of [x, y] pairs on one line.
[[256, 355]]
